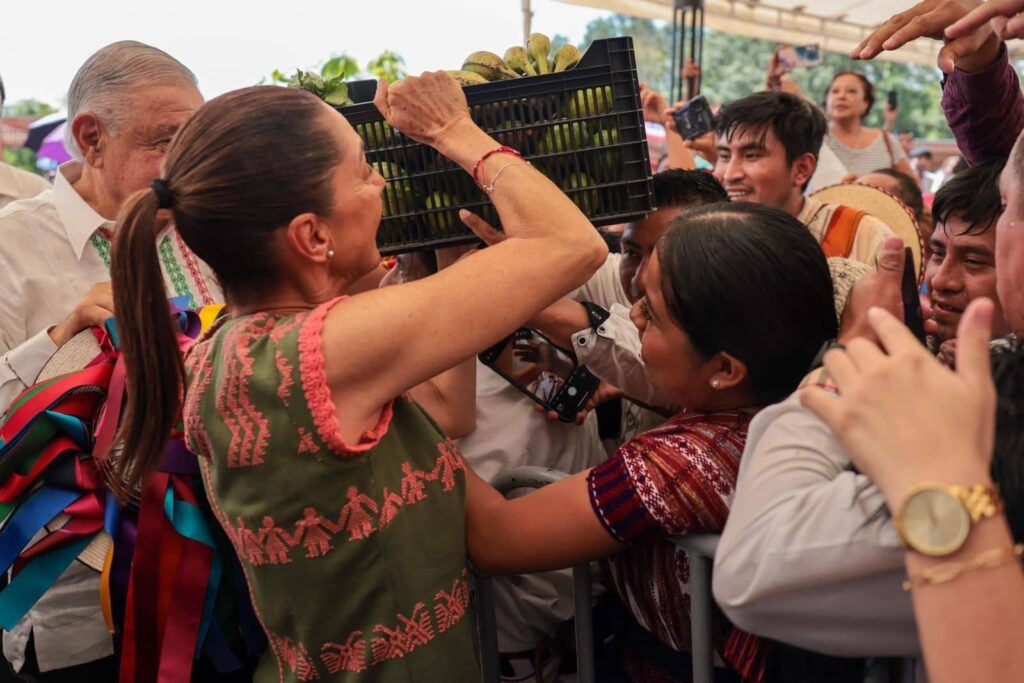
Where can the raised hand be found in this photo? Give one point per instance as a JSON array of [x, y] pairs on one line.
[[1006, 17]]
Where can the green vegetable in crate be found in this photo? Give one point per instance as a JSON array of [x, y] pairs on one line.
[[441, 220], [375, 134], [489, 65], [563, 137], [587, 201], [519, 61], [333, 91], [467, 78], [566, 58], [538, 46], [609, 159], [590, 102], [398, 195]]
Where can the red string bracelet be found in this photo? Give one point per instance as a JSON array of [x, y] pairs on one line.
[[500, 150]]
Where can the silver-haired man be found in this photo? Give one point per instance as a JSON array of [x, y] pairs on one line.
[[124, 106]]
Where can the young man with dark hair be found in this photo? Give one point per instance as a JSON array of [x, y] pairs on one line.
[[962, 266], [768, 146]]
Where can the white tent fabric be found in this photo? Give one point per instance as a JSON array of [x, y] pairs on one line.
[[836, 25]]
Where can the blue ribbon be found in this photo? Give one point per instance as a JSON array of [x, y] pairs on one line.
[[189, 521], [35, 579], [72, 426], [30, 518]]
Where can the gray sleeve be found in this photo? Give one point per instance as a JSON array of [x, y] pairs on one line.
[[805, 558]]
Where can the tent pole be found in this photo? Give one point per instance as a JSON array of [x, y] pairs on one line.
[[527, 21]]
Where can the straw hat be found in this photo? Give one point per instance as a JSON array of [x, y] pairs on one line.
[[881, 204], [73, 356]]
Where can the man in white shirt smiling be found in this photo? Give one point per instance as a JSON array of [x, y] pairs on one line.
[[124, 106]]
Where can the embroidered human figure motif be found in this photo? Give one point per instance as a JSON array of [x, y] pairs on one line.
[[348, 657], [410, 633], [310, 532], [449, 608], [275, 542], [284, 368], [447, 463], [306, 442], [389, 507], [250, 544], [412, 484], [354, 517]]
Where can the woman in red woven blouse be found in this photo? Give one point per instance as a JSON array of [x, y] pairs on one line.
[[738, 302]]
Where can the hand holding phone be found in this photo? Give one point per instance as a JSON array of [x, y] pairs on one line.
[[792, 57], [694, 118]]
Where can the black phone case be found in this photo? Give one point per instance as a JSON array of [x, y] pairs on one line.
[[578, 389]]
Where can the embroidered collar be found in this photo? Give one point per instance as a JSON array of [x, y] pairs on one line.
[[79, 219]]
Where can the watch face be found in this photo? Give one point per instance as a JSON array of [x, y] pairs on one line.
[[934, 522]]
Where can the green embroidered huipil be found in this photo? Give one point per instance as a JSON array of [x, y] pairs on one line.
[[354, 553]]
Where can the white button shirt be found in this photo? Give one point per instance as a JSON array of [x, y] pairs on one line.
[[47, 264]]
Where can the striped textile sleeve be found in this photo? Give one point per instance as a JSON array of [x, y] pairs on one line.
[[619, 506]]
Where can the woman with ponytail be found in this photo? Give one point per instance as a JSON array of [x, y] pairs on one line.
[[345, 502]]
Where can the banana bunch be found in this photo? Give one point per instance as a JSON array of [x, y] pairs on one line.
[[532, 60]]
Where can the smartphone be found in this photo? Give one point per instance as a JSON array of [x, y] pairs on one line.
[[894, 102], [694, 118], [543, 371], [911, 300], [796, 56]]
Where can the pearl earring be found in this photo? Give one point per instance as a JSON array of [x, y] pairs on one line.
[[716, 383], [330, 253]]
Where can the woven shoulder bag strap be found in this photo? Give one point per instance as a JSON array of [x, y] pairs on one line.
[[841, 231]]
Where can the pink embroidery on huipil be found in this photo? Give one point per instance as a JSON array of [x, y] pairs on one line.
[[447, 464], [353, 518], [411, 632], [297, 658], [348, 657], [198, 361], [284, 368], [248, 426], [282, 326], [389, 507], [249, 544], [275, 542], [449, 608], [189, 257], [306, 442], [310, 532], [412, 484], [318, 392]]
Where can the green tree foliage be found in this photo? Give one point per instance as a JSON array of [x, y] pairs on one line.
[[21, 157], [27, 109], [388, 65], [734, 66]]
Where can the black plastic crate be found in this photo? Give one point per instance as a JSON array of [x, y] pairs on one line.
[[583, 128]]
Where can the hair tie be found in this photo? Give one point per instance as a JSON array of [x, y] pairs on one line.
[[164, 198]]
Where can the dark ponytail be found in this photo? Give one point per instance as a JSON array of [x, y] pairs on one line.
[[241, 168], [155, 373]]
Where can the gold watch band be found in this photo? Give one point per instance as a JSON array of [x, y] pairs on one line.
[[982, 501]]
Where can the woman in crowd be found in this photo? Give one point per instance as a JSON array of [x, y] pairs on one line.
[[848, 101], [718, 348], [344, 501]]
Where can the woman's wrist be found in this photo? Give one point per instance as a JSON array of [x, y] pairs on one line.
[[965, 469], [464, 142]]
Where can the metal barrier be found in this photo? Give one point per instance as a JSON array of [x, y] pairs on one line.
[[700, 552], [534, 478]]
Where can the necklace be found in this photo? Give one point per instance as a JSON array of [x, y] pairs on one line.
[[101, 242]]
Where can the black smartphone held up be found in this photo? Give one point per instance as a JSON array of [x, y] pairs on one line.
[[911, 300], [694, 118], [894, 102], [543, 371]]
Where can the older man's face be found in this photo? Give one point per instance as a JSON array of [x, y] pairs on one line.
[[1010, 246], [133, 158]]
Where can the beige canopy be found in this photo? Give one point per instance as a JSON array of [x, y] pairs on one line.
[[836, 25]]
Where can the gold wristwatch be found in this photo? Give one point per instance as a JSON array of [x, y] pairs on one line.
[[935, 519]]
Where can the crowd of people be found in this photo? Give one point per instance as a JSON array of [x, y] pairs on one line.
[[761, 379]]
